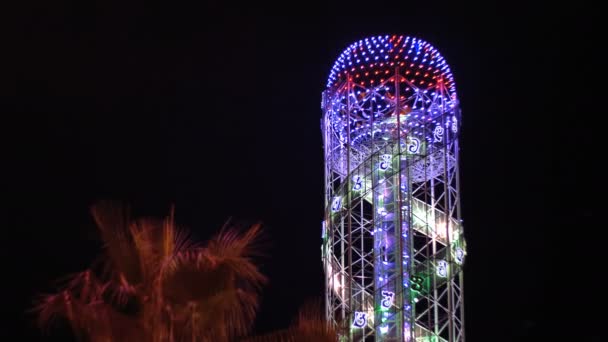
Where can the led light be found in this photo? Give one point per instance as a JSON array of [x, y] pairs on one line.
[[388, 298], [413, 145], [438, 133], [336, 204], [442, 268], [459, 255], [360, 320], [385, 161], [357, 180]]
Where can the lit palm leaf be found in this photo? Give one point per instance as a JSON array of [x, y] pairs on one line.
[[158, 286]]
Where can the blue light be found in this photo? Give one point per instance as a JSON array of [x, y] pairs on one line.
[[438, 133], [413, 145], [459, 255], [336, 204], [442, 268], [454, 125], [385, 163], [388, 298], [360, 319], [357, 183]]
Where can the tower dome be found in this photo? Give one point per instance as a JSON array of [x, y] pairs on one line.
[[371, 61]]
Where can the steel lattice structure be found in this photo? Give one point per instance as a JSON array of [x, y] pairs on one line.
[[393, 244]]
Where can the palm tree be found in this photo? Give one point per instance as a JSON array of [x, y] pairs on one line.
[[155, 284]]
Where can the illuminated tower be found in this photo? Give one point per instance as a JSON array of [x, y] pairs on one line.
[[393, 245]]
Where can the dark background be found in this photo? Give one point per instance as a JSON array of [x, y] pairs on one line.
[[215, 107]]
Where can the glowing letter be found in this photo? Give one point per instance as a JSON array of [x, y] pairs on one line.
[[336, 204], [360, 319], [413, 146], [459, 255], [386, 160], [358, 183], [438, 132], [442, 268], [454, 124], [387, 299], [416, 283]]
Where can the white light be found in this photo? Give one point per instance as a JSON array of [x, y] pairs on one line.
[[438, 133], [442, 268], [413, 145], [388, 298], [383, 329], [357, 183], [360, 319], [385, 163], [336, 204], [323, 229], [459, 255]]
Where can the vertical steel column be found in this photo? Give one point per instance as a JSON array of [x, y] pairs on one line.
[[401, 298], [349, 209]]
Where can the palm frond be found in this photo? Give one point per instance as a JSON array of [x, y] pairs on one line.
[[157, 285], [219, 280], [71, 301], [229, 242], [113, 221]]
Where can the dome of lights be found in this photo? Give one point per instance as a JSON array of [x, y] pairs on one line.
[[371, 61], [377, 77]]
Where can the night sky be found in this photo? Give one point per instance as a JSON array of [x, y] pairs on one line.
[[216, 108]]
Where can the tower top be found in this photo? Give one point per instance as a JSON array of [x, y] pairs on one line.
[[369, 61]]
